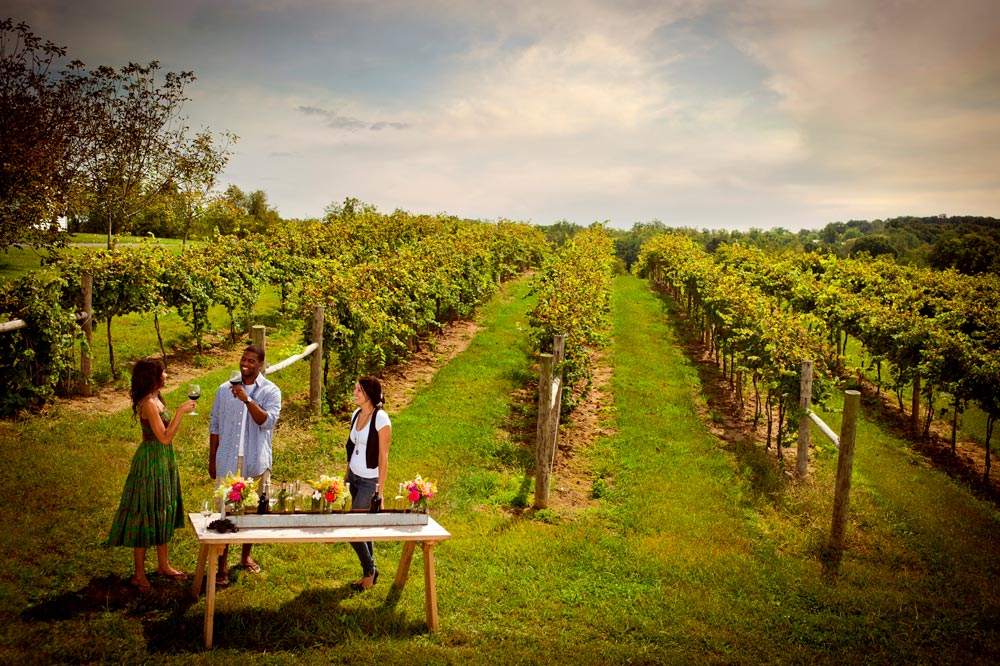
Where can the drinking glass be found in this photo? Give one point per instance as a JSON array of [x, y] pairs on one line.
[[235, 377], [194, 392], [207, 508]]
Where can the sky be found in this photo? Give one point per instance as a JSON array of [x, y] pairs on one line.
[[699, 113]]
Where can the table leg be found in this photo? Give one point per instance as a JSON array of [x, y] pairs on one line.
[[403, 571], [199, 571], [213, 557], [430, 587]]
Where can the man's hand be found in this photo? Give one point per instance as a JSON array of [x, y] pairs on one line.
[[239, 392]]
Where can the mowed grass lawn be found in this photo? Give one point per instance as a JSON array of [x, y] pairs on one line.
[[692, 553]]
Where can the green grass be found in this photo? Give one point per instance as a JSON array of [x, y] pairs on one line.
[[103, 238], [971, 421], [692, 554], [17, 262]]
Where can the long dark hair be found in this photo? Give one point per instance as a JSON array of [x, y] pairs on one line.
[[147, 377], [373, 389]]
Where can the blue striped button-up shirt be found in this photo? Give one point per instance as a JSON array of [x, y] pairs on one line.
[[230, 420]]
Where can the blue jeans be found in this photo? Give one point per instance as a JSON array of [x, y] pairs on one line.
[[362, 491]]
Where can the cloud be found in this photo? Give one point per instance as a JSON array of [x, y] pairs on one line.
[[701, 112], [897, 95], [336, 121]]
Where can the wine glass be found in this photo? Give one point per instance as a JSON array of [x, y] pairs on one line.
[[194, 392], [235, 377], [207, 508]]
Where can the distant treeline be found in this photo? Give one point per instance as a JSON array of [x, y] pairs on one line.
[[967, 243]]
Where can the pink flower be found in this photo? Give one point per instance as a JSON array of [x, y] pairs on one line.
[[330, 496], [414, 495], [234, 495]]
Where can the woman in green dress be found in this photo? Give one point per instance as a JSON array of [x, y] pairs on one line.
[[151, 507]]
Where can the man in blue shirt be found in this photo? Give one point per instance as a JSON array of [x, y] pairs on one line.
[[240, 429]]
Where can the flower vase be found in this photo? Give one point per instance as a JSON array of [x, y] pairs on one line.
[[420, 506], [237, 511]]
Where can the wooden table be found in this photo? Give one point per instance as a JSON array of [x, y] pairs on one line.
[[212, 543]]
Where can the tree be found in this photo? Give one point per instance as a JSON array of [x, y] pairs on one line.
[[628, 243], [351, 208], [196, 177], [42, 131], [972, 253], [873, 245], [238, 213], [141, 143]]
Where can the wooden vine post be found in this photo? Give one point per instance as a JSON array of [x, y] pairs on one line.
[[86, 356], [805, 403], [549, 404], [845, 464], [316, 361], [258, 336]]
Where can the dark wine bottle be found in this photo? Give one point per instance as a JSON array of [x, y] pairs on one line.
[[262, 504]]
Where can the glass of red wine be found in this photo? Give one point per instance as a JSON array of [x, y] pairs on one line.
[[235, 377], [194, 392]]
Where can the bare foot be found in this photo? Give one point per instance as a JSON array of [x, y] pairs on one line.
[[364, 584], [170, 572], [251, 566], [141, 584]]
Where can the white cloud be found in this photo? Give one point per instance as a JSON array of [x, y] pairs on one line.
[[701, 112], [893, 96]]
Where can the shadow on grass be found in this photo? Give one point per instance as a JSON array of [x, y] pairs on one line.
[[170, 626], [111, 593], [757, 465]]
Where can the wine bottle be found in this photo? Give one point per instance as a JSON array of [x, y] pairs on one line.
[[262, 504]]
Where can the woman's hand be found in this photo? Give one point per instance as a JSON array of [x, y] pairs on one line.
[[187, 406]]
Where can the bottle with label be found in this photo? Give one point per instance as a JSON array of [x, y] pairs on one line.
[[281, 498], [262, 503]]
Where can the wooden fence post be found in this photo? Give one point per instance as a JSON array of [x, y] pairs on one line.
[[86, 356], [805, 402], [547, 431], [316, 362], [258, 336], [845, 463], [543, 457]]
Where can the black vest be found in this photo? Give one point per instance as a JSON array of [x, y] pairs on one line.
[[371, 453]]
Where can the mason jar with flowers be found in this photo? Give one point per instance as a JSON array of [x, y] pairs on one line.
[[418, 491], [237, 493], [330, 492]]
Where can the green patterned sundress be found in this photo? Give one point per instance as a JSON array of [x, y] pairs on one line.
[[151, 507]]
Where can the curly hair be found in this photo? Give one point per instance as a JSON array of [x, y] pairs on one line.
[[147, 378]]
